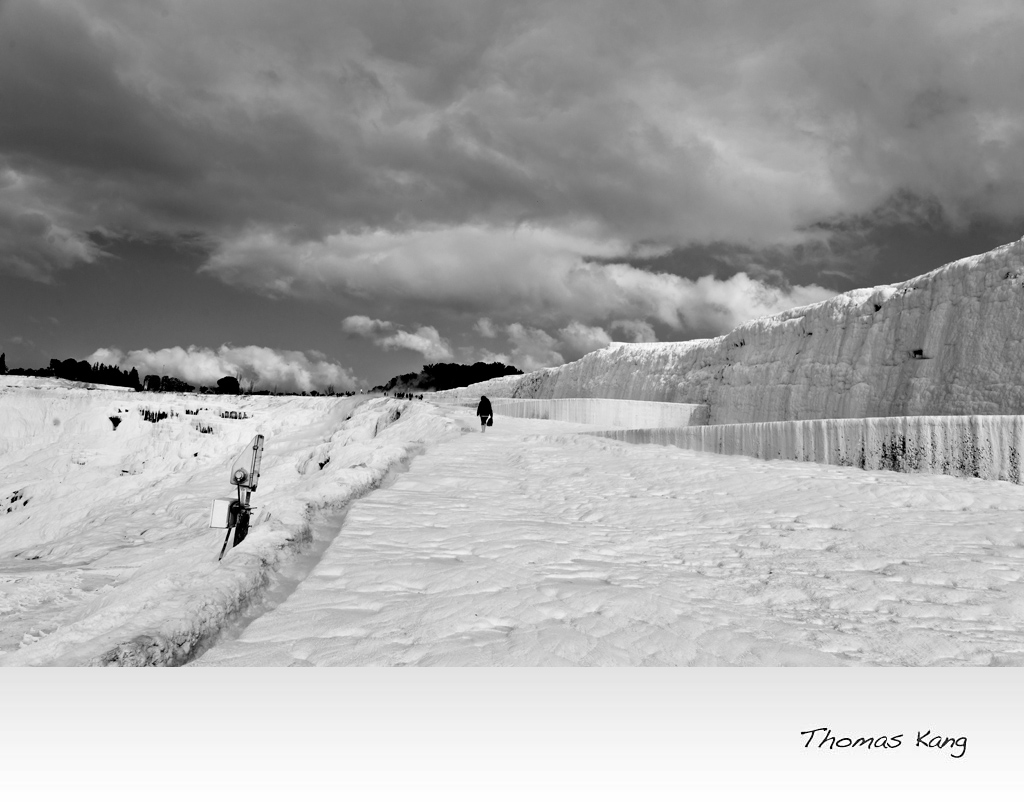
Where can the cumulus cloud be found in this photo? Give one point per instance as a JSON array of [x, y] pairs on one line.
[[426, 340], [485, 328], [532, 274], [532, 349], [492, 356], [584, 339], [637, 331], [266, 368], [364, 326]]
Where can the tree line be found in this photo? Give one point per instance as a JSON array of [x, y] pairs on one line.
[[434, 377], [111, 375], [78, 371], [447, 376]]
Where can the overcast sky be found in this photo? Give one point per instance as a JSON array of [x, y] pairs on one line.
[[326, 192]]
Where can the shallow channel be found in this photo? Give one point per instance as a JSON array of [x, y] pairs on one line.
[[292, 571]]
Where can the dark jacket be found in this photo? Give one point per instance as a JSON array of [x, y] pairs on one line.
[[483, 409]]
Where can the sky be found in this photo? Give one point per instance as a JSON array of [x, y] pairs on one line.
[[318, 193]]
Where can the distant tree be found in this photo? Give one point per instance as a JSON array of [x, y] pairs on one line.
[[133, 379], [171, 384], [228, 386], [72, 370], [3, 364]]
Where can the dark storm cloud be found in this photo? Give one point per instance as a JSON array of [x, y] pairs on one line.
[[113, 122], [900, 239], [433, 111], [319, 148], [64, 104], [129, 154]]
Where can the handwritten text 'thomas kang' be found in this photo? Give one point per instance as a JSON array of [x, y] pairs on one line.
[[822, 737]]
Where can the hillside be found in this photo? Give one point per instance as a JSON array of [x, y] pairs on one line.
[[950, 342], [106, 553]]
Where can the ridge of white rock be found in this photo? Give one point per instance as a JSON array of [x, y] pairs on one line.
[[950, 342]]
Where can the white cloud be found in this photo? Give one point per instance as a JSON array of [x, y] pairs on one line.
[[532, 349], [584, 339], [426, 340], [485, 328], [491, 356], [364, 326], [637, 331], [267, 368], [537, 275]]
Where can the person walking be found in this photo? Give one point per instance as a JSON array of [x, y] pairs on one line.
[[485, 413]]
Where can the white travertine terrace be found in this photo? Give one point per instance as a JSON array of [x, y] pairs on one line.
[[922, 376], [981, 446], [602, 412]]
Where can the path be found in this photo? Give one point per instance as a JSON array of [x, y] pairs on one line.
[[533, 544]]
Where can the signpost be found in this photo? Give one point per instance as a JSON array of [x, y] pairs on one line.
[[234, 513]]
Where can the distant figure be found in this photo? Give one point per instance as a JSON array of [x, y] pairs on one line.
[[483, 409]]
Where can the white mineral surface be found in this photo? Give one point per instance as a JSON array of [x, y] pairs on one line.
[[535, 543]]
